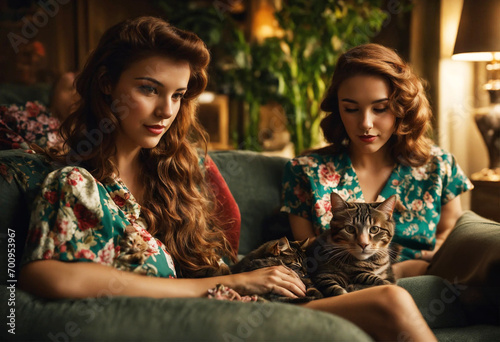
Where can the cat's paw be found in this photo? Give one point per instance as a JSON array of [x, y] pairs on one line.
[[340, 292], [314, 293], [335, 291]]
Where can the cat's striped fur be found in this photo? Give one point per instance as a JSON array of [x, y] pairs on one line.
[[354, 253], [290, 254]]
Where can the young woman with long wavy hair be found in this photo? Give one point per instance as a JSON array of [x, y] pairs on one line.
[[134, 196], [378, 129]]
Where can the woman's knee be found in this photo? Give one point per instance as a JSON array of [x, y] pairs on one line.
[[394, 302]]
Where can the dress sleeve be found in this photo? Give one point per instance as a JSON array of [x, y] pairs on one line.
[[66, 221], [296, 191], [455, 182]]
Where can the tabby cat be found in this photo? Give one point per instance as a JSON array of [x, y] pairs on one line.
[[276, 253], [354, 253]]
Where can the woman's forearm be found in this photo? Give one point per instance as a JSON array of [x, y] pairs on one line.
[[57, 279], [450, 213]]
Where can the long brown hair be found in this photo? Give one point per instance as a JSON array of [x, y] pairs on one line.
[[177, 203], [410, 143]]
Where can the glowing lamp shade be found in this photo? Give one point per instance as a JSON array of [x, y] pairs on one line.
[[478, 37]]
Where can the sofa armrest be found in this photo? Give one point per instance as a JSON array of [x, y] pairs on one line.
[[471, 253], [470, 258]]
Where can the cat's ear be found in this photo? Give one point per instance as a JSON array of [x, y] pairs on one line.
[[279, 246], [338, 203], [274, 248], [387, 206], [283, 244], [304, 243]]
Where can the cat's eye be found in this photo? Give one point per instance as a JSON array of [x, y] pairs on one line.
[[350, 229], [374, 230]]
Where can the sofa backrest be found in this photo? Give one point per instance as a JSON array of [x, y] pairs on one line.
[[255, 183]]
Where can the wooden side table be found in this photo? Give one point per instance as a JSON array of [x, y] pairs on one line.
[[485, 199]]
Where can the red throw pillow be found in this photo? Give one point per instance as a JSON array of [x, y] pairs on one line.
[[227, 208]]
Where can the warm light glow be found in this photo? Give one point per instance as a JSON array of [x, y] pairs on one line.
[[206, 97], [476, 56], [264, 31], [264, 23], [493, 66], [492, 85]]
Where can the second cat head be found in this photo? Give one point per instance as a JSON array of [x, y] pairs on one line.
[[362, 229]]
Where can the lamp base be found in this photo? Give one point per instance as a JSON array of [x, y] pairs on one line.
[[489, 126]]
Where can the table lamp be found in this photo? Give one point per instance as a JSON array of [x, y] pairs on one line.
[[478, 39]]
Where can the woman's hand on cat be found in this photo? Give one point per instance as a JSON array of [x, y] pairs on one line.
[[276, 279]]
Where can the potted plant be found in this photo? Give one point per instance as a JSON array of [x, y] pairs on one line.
[[293, 68]]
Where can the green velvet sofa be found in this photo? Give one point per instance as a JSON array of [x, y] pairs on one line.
[[255, 181]]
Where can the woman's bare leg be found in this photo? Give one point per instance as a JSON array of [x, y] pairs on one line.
[[384, 312]]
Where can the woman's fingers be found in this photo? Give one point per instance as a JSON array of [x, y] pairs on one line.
[[286, 282], [288, 289], [277, 279]]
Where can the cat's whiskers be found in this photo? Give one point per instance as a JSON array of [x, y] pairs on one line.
[[344, 259], [333, 251]]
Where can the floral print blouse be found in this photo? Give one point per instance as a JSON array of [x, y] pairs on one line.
[[77, 218], [309, 180]]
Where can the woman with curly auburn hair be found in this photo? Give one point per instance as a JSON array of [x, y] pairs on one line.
[[378, 123], [134, 204], [407, 101]]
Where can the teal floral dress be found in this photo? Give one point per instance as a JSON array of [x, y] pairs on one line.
[[309, 180], [77, 218]]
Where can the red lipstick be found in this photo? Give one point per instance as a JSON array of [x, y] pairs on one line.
[[367, 138], [155, 129]]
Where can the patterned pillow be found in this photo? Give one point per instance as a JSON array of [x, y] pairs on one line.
[[21, 126]]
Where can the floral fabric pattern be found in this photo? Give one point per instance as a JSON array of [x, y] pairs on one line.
[[77, 218], [21, 126], [309, 180]]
